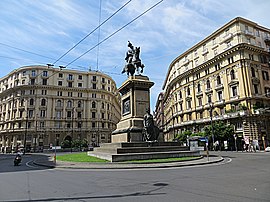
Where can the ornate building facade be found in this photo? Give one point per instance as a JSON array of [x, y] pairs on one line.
[[224, 77], [42, 106]]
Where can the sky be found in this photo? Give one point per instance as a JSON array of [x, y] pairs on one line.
[[38, 32]]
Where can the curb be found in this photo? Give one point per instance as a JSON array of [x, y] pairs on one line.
[[129, 166]]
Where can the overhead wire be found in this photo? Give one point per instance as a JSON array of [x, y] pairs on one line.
[[100, 1], [114, 33], [92, 31]]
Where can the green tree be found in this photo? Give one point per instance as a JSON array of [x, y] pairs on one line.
[[221, 131], [182, 137]]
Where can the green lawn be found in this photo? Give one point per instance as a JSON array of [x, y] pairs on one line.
[[83, 157], [79, 157]]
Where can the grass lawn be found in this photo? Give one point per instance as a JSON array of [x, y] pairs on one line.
[[79, 157], [83, 157]]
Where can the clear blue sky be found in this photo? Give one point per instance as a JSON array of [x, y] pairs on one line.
[[50, 27]]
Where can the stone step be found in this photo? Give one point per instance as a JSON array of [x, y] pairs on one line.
[[150, 149]]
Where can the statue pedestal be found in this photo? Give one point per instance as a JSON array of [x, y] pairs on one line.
[[135, 100]]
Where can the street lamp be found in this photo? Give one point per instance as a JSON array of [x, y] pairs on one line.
[[211, 117], [25, 134]]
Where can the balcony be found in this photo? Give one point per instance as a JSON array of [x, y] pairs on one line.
[[227, 37], [200, 93], [255, 80], [208, 90], [219, 86], [220, 102], [236, 97], [249, 33], [267, 41], [185, 62], [205, 51], [199, 107]]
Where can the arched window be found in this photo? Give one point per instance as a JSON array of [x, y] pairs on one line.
[[253, 72], [218, 80], [199, 87], [188, 91], [43, 102], [69, 103], [93, 104], [79, 104], [59, 103], [31, 102], [22, 102], [208, 86], [232, 75]]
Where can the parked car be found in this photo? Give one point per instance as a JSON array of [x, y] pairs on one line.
[[267, 149]]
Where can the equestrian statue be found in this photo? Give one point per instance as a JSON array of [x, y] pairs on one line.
[[133, 61]]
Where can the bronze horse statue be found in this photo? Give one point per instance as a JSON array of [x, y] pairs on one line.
[[133, 60]]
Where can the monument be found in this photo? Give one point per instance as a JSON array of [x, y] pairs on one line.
[[135, 100], [136, 136]]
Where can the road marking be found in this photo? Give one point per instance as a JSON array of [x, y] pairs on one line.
[[30, 166]]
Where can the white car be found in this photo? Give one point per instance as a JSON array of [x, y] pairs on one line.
[[267, 149]]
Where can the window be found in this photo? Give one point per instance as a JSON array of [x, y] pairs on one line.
[[32, 82], [70, 77], [93, 104], [79, 85], [31, 102], [69, 94], [199, 88], [59, 93], [93, 124], [30, 113], [189, 104], [69, 104], [206, 71], [219, 94], [103, 80], [103, 105], [199, 101], [232, 73], [93, 115], [103, 115], [45, 73], [80, 94], [69, 114], [70, 84], [256, 90], [188, 91], [32, 92], [42, 113], [198, 75], [60, 75], [218, 80], [234, 91], [59, 103], [180, 95], [44, 92], [253, 74], [208, 85], [265, 75], [60, 83], [209, 98], [80, 77], [94, 86], [230, 60], [43, 102], [94, 78], [79, 104], [94, 95], [44, 82], [187, 79], [79, 115], [267, 91]]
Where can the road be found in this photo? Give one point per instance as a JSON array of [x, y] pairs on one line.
[[241, 177]]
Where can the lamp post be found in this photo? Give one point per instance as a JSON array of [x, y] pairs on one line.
[[211, 118], [25, 133]]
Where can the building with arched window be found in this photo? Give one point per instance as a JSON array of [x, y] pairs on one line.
[[41, 107], [227, 73]]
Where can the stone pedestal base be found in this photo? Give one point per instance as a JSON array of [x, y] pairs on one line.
[[135, 100]]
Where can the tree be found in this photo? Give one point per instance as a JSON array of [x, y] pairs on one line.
[[182, 137], [221, 131]]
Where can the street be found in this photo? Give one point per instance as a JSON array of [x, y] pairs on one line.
[[240, 177]]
